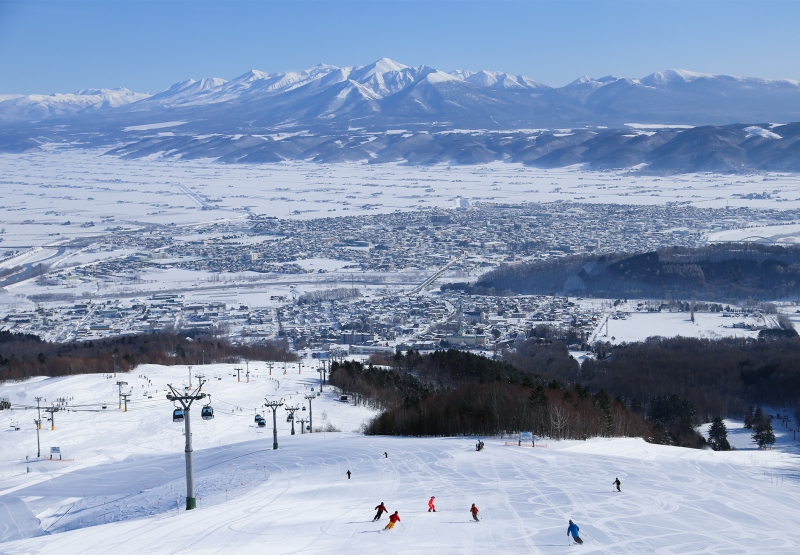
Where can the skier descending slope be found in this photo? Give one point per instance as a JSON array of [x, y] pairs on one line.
[[617, 483], [474, 511], [573, 530], [393, 519], [431, 506], [381, 509]]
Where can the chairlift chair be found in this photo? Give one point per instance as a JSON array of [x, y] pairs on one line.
[[177, 415]]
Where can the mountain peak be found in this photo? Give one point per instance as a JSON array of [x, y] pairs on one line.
[[385, 65], [674, 76]]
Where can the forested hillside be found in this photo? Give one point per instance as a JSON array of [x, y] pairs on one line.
[[23, 356], [729, 272]]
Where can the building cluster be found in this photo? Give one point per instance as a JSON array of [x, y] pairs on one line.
[[463, 242], [383, 322], [485, 235]]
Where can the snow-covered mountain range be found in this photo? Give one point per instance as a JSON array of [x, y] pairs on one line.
[[390, 112], [387, 93]]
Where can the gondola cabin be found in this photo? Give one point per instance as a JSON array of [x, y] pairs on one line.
[[177, 415], [207, 413]]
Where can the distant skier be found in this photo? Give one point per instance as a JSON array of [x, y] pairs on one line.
[[348, 474], [393, 518], [474, 511], [573, 530], [618, 484], [385, 455], [381, 509], [431, 506]]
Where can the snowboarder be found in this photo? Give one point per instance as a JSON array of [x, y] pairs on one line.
[[394, 518], [573, 530], [348, 474], [381, 509], [474, 511], [618, 484], [431, 506]]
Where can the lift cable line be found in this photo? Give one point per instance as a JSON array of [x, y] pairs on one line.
[[182, 415], [274, 406]]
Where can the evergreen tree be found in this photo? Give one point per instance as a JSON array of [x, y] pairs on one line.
[[749, 418], [763, 434], [604, 403], [758, 416], [718, 435]]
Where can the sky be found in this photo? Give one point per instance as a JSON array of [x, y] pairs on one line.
[[67, 45]]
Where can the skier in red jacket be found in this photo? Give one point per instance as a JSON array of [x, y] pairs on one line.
[[393, 518], [431, 506], [474, 511], [381, 509]]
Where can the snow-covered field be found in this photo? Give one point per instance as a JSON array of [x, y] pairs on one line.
[[638, 326], [123, 490], [40, 192]]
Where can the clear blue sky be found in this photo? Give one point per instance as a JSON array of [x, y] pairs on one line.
[[66, 45]]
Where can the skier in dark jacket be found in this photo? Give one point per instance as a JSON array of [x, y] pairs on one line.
[[381, 509], [474, 511], [617, 483], [573, 530]]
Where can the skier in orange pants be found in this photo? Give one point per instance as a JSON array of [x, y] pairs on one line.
[[394, 518]]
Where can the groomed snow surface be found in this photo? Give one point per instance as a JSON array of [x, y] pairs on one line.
[[119, 493]]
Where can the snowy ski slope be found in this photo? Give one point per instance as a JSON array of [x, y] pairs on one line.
[[119, 494]]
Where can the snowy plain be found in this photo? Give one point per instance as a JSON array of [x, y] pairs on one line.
[[48, 196], [122, 489]]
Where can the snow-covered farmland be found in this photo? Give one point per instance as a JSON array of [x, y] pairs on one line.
[[119, 493], [48, 196]]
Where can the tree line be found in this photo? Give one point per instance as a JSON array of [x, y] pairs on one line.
[[24, 355], [728, 272], [453, 393]]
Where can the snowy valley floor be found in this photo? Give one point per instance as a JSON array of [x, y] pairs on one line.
[[119, 494]]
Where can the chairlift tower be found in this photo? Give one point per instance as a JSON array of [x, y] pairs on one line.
[[52, 410], [125, 400], [291, 411], [302, 425], [119, 391], [38, 445], [310, 398], [39, 411], [321, 371], [186, 401], [274, 406]]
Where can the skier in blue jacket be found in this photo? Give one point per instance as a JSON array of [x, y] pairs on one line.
[[573, 530]]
